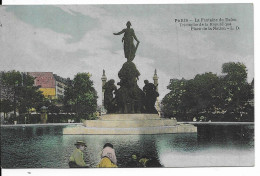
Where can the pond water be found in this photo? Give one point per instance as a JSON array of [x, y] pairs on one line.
[[46, 147]]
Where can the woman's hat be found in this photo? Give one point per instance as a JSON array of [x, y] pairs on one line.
[[80, 143]]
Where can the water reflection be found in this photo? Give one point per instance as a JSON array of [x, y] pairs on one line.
[[46, 147], [232, 135], [213, 146]]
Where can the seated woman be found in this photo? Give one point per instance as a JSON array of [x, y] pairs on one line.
[[108, 157]]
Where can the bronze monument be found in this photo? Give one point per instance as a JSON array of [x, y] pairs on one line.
[[129, 98]]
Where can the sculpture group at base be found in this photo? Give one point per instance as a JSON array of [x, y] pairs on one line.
[[129, 98]]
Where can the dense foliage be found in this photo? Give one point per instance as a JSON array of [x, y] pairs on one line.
[[81, 96], [211, 97], [18, 94]]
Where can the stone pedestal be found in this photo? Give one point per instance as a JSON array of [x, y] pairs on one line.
[[130, 117], [44, 117], [130, 124]]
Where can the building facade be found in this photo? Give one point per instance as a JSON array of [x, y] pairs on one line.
[[47, 83], [60, 85]]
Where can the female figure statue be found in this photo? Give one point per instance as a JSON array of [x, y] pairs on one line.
[[129, 47]]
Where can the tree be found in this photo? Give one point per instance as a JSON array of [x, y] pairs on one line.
[[188, 98], [28, 97], [12, 79], [53, 106], [172, 102], [6, 107], [80, 95], [237, 91], [68, 97], [236, 73], [24, 94], [205, 93]]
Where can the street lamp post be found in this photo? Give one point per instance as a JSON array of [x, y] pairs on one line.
[[104, 80], [15, 87]]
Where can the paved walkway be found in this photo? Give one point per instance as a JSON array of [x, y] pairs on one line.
[[218, 123], [46, 124]]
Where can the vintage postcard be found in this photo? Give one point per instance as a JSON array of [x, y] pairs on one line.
[[127, 86]]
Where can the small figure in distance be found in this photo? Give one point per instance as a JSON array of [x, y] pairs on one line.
[[153, 162], [129, 47], [108, 157], [143, 161], [76, 158]]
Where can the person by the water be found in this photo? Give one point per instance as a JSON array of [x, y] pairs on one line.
[[143, 161], [76, 159], [134, 162], [129, 47], [108, 157]]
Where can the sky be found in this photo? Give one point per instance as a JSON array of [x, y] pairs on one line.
[[66, 40]]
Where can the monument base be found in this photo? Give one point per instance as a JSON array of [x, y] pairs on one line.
[[130, 124], [130, 117]]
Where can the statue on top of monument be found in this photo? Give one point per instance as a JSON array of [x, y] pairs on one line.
[[128, 39]]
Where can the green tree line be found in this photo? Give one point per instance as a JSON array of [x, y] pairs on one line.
[[18, 94], [211, 97]]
